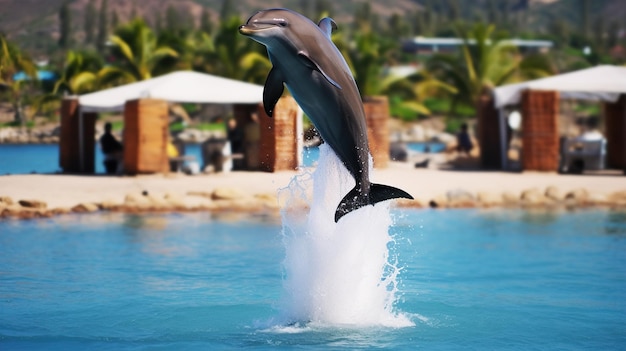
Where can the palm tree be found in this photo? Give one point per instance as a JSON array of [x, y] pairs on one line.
[[369, 54], [12, 61], [79, 74], [137, 55], [410, 93], [236, 56], [226, 54], [200, 52], [485, 64]]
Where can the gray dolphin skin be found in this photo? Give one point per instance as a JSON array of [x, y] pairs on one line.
[[318, 77]]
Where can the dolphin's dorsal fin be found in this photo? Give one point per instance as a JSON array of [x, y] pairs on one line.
[[314, 66], [327, 25], [273, 90]]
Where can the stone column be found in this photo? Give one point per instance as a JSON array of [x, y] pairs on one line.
[[146, 134], [540, 131], [615, 130], [377, 119], [278, 147]]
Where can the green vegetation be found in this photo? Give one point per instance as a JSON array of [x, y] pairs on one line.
[[12, 61], [443, 106], [79, 74], [587, 109], [220, 126], [100, 50], [29, 124], [487, 63], [176, 127], [117, 125], [137, 55]]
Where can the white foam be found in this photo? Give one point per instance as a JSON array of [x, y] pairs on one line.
[[337, 273]]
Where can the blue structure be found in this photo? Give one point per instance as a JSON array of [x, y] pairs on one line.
[[42, 75], [422, 45]]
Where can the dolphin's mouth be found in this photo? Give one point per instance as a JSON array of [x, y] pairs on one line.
[[250, 29], [259, 26]]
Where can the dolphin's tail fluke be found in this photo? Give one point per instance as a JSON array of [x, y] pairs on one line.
[[378, 192]]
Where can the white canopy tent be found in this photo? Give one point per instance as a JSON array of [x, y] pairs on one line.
[[600, 83], [182, 86]]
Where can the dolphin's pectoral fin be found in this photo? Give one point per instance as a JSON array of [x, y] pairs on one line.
[[328, 26], [378, 193], [273, 90], [314, 66]]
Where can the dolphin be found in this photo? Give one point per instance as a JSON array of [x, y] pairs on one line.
[[305, 60]]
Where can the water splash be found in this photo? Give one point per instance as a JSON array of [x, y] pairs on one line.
[[336, 273]]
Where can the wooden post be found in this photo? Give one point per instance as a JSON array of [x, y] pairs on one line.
[[146, 135], [489, 134], [69, 159], [77, 145], [615, 123], [377, 119], [278, 147], [89, 142], [540, 130]]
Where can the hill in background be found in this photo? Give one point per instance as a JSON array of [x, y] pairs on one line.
[[34, 24]]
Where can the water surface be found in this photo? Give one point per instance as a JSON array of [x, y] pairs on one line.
[[44, 158], [470, 279]]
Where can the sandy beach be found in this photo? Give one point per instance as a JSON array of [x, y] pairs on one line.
[[66, 191]]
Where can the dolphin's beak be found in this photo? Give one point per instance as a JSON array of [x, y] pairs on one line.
[[246, 30], [251, 28]]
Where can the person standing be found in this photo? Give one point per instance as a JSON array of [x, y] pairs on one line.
[[111, 148], [464, 142], [252, 138], [235, 136]]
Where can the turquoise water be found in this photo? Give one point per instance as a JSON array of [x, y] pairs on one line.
[[33, 158], [469, 279], [44, 158]]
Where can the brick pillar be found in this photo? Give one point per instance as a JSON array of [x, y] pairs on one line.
[[615, 123], [76, 156], [377, 118], [540, 130], [489, 138], [146, 135], [278, 147]]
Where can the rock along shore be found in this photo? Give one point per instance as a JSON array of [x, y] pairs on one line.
[[233, 199]]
